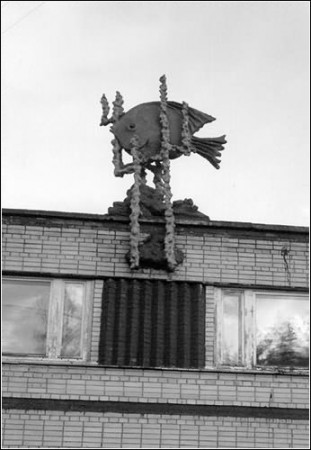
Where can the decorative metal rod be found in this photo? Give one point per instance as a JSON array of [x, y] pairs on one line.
[[135, 206], [169, 241]]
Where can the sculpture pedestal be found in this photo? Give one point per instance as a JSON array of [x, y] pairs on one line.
[[152, 250], [152, 205]]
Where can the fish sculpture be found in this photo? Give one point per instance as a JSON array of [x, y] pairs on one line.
[[154, 133], [143, 121]]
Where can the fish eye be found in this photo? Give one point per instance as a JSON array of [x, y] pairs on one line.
[[131, 126]]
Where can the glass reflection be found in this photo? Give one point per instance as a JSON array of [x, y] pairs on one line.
[[282, 332], [72, 321], [230, 330], [24, 317]]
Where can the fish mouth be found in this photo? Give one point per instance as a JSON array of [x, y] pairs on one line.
[[143, 145]]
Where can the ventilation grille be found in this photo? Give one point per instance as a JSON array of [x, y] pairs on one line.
[[152, 324]]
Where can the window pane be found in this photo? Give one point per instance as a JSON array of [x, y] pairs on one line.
[[24, 312], [72, 321], [230, 331], [282, 332]]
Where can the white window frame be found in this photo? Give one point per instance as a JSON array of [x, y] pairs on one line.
[[55, 319], [247, 318]]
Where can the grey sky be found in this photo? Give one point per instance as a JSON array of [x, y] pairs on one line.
[[245, 63]]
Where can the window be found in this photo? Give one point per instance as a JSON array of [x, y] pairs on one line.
[[152, 323], [45, 318], [262, 329]]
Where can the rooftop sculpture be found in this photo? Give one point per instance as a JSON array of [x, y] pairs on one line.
[[154, 133]]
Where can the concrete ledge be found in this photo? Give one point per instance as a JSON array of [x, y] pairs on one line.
[[153, 408], [77, 276], [83, 217]]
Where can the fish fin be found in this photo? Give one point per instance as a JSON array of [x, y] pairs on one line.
[[209, 148], [196, 118]]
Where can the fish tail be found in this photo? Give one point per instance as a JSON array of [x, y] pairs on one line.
[[209, 148]]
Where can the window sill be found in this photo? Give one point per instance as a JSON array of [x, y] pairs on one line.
[[272, 370], [232, 370], [47, 362]]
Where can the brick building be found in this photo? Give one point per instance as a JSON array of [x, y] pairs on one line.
[[97, 355]]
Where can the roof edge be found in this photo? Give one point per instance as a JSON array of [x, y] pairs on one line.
[[179, 221]]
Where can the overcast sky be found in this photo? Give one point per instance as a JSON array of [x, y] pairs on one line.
[[245, 63]]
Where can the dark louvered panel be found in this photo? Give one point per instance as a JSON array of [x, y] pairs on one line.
[[184, 353], [133, 324], [124, 302], [146, 324], [152, 324], [158, 325], [108, 334]]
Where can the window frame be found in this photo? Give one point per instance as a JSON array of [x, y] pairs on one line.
[[247, 317], [55, 320]]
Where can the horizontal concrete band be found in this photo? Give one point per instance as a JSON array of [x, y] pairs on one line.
[[46, 274], [153, 408], [40, 215]]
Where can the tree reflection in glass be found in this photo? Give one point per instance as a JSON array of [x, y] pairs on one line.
[[282, 332], [72, 321], [24, 317]]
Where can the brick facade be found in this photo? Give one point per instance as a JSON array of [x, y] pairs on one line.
[[84, 404], [52, 429]]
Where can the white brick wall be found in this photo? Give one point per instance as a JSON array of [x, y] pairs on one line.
[[213, 254], [158, 386], [54, 429], [212, 257]]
